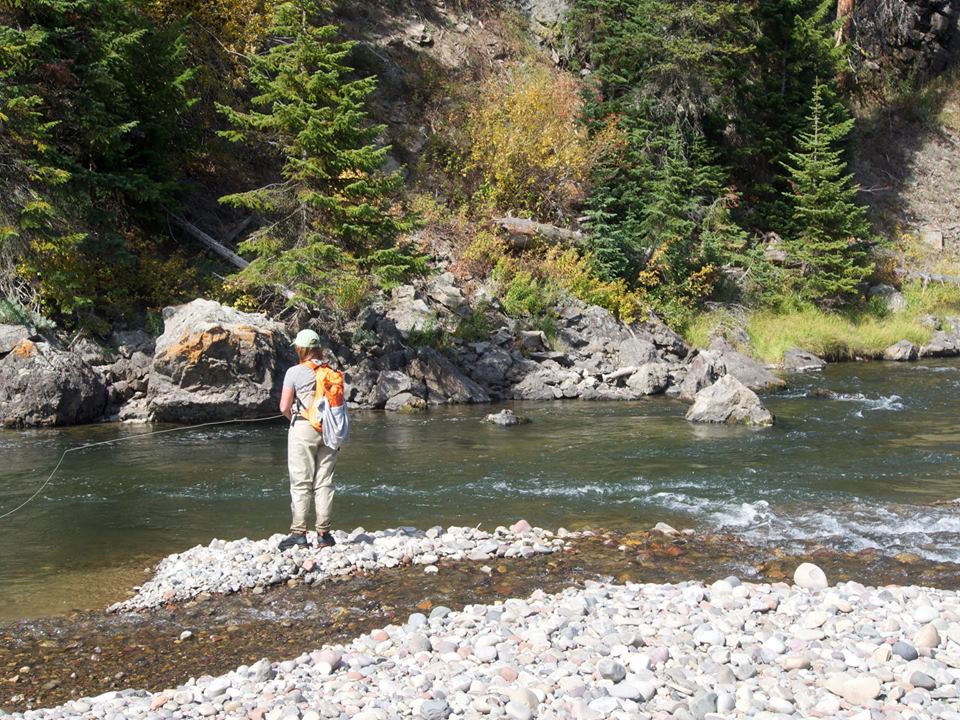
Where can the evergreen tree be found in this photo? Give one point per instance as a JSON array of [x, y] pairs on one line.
[[94, 94], [332, 195], [794, 45], [657, 64], [827, 247]]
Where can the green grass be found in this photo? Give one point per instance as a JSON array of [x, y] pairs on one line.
[[836, 336]]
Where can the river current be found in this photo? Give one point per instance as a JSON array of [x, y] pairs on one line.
[[875, 466]]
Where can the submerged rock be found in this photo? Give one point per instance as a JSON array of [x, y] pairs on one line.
[[505, 418], [729, 401]]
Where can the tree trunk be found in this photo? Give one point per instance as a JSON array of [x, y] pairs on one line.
[[524, 232], [219, 248]]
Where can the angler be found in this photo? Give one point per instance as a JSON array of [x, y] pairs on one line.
[[317, 428]]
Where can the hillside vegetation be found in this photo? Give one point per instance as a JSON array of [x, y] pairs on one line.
[[693, 154]]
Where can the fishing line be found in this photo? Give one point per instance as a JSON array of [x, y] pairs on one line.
[[129, 437]]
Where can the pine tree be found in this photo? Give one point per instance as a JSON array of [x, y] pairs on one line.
[[94, 94], [827, 245], [332, 195], [794, 45]]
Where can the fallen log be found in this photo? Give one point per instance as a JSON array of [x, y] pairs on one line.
[[927, 278], [219, 248], [523, 232]]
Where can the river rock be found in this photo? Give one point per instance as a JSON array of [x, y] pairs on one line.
[[811, 577], [855, 690], [905, 650], [650, 378], [390, 383], [216, 363], [902, 351], [729, 401], [41, 385], [748, 371], [797, 360], [927, 637], [942, 344], [505, 418], [443, 381], [405, 403], [702, 370]]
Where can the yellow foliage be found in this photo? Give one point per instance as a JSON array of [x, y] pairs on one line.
[[234, 24], [527, 142]]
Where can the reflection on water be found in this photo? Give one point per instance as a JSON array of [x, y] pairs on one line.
[[857, 471]]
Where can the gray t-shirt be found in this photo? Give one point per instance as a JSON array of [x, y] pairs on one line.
[[303, 380]]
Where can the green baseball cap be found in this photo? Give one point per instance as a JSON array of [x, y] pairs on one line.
[[307, 339]]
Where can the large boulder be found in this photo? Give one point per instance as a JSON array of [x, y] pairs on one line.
[[942, 344], [43, 386], [703, 369], [217, 363], [409, 311], [650, 379], [444, 382], [13, 335], [729, 401]]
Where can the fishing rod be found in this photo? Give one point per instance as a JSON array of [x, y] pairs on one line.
[[129, 437]]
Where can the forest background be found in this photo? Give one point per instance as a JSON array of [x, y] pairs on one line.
[[691, 159]]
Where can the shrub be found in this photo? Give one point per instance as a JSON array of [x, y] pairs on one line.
[[527, 147]]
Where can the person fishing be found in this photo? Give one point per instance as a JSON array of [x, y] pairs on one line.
[[317, 428]]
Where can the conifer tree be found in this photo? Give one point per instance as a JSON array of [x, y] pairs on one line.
[[827, 244], [331, 195]]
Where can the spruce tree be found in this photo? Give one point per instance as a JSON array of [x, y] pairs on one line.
[[332, 195], [826, 247]]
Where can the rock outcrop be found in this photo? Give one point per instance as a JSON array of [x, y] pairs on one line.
[[729, 401], [797, 360], [216, 363], [41, 385]]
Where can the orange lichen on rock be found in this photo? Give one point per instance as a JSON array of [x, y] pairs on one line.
[[24, 348]]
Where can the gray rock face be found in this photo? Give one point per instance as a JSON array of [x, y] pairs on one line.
[[702, 371], [745, 369], [942, 344], [729, 401], [443, 290], [216, 363], [43, 386], [409, 312], [390, 383], [650, 379], [444, 382], [11, 335], [797, 360], [902, 351]]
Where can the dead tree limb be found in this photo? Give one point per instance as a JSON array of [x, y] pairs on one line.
[[219, 248], [927, 278], [524, 232]]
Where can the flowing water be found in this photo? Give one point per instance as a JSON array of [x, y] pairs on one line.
[[865, 469]]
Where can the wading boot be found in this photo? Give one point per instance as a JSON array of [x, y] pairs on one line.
[[294, 539], [325, 539]]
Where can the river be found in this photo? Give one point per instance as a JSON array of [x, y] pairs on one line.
[[862, 470]]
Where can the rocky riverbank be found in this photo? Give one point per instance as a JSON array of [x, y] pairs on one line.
[[228, 567], [425, 344], [681, 650]]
